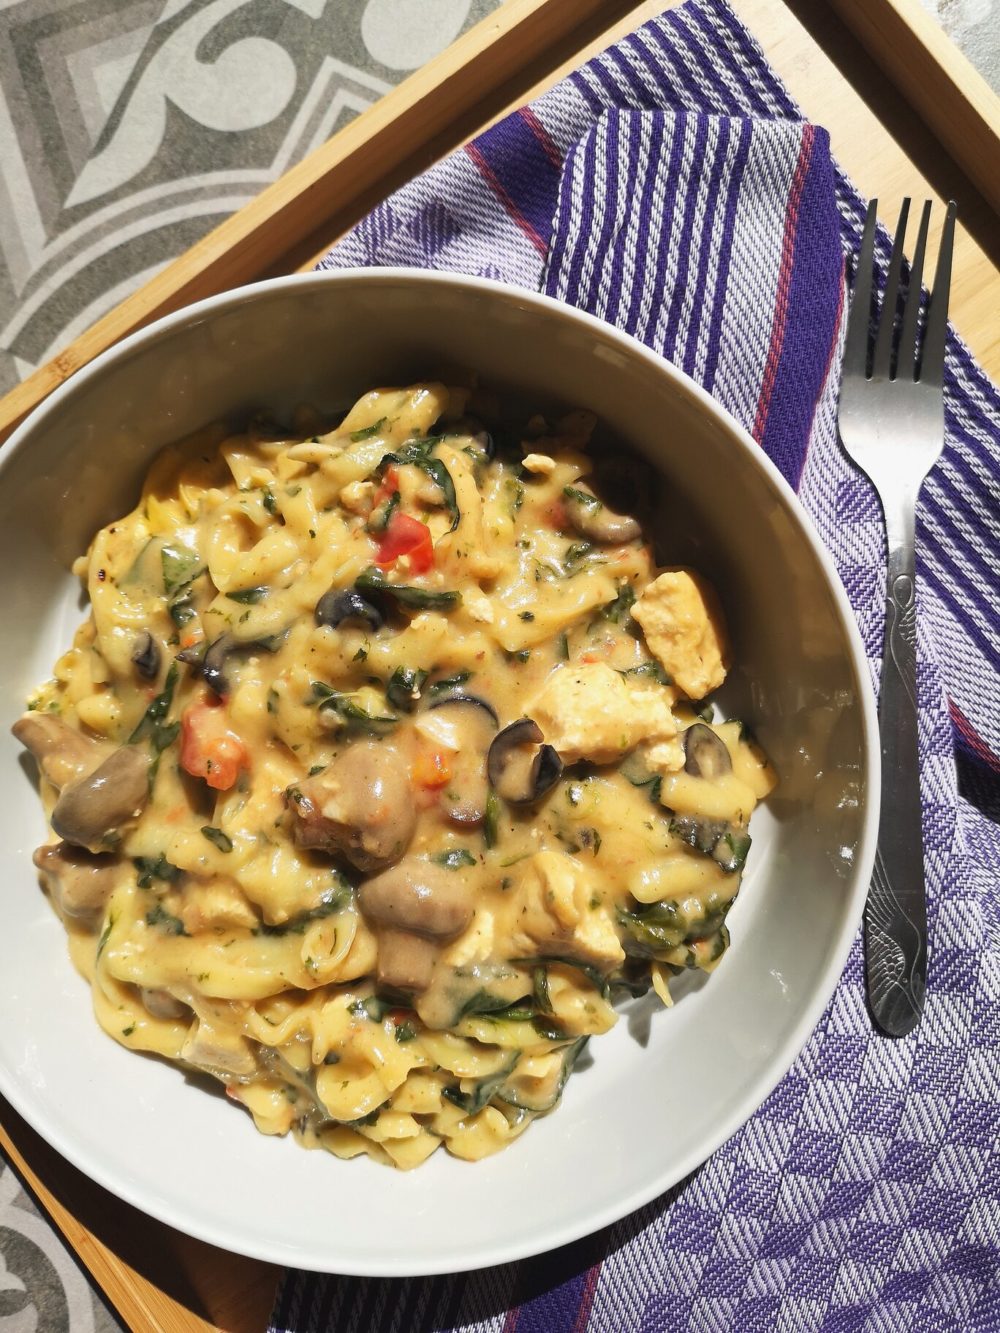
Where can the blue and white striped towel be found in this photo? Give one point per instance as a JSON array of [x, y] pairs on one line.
[[672, 188]]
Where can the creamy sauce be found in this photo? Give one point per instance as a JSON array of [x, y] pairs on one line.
[[387, 963]]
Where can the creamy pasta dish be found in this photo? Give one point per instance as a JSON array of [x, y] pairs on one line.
[[384, 764]]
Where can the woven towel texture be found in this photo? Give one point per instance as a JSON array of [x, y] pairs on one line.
[[672, 188]]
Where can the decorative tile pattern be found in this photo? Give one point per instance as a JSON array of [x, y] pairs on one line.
[[130, 128]]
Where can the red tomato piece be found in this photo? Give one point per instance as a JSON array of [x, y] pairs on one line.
[[209, 749], [406, 536]]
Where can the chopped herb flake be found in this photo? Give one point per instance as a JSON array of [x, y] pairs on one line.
[[454, 858], [216, 836]]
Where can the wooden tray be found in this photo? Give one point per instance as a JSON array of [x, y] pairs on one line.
[[872, 101]]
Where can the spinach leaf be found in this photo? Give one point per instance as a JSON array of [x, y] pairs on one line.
[[372, 1007], [652, 930], [403, 690], [378, 520], [372, 581], [619, 609], [366, 432], [727, 844], [181, 611], [159, 916], [249, 596], [482, 1002], [180, 566], [155, 867], [481, 1095], [436, 469], [491, 820], [333, 901], [349, 711], [651, 669], [153, 725], [731, 851], [105, 934], [593, 974], [417, 452], [540, 990]]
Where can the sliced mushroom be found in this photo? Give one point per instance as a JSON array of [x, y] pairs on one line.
[[146, 655], [210, 662], [405, 960], [340, 605], [467, 725], [593, 519], [705, 753], [78, 882], [161, 1004], [221, 1052], [92, 810], [62, 752], [521, 767], [360, 807], [418, 896]]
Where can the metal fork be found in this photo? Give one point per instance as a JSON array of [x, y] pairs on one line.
[[891, 422]]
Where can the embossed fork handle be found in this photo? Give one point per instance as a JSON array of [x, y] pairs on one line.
[[896, 913]]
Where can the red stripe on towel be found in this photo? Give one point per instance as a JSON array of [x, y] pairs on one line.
[[587, 1299], [972, 737], [490, 176], [542, 135]]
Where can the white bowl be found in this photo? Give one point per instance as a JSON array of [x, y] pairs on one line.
[[665, 1088]]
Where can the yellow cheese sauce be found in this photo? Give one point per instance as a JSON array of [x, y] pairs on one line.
[[382, 766]]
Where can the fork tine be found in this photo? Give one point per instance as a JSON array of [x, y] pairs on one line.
[[883, 343], [859, 319], [932, 358], [906, 364]]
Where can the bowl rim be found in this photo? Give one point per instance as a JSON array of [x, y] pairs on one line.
[[34, 1110]]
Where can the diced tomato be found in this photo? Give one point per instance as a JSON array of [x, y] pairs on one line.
[[406, 536], [209, 748], [432, 768]]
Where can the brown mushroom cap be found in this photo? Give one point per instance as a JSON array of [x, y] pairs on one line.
[[93, 809], [405, 960], [360, 807], [78, 882], [62, 752], [418, 896]]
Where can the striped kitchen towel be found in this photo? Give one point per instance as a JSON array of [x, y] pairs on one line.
[[671, 187]]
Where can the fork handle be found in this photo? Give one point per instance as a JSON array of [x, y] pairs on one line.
[[896, 911]]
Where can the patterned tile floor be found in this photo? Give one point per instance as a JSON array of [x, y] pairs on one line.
[[129, 128]]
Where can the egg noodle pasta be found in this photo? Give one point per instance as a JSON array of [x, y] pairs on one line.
[[382, 766]]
